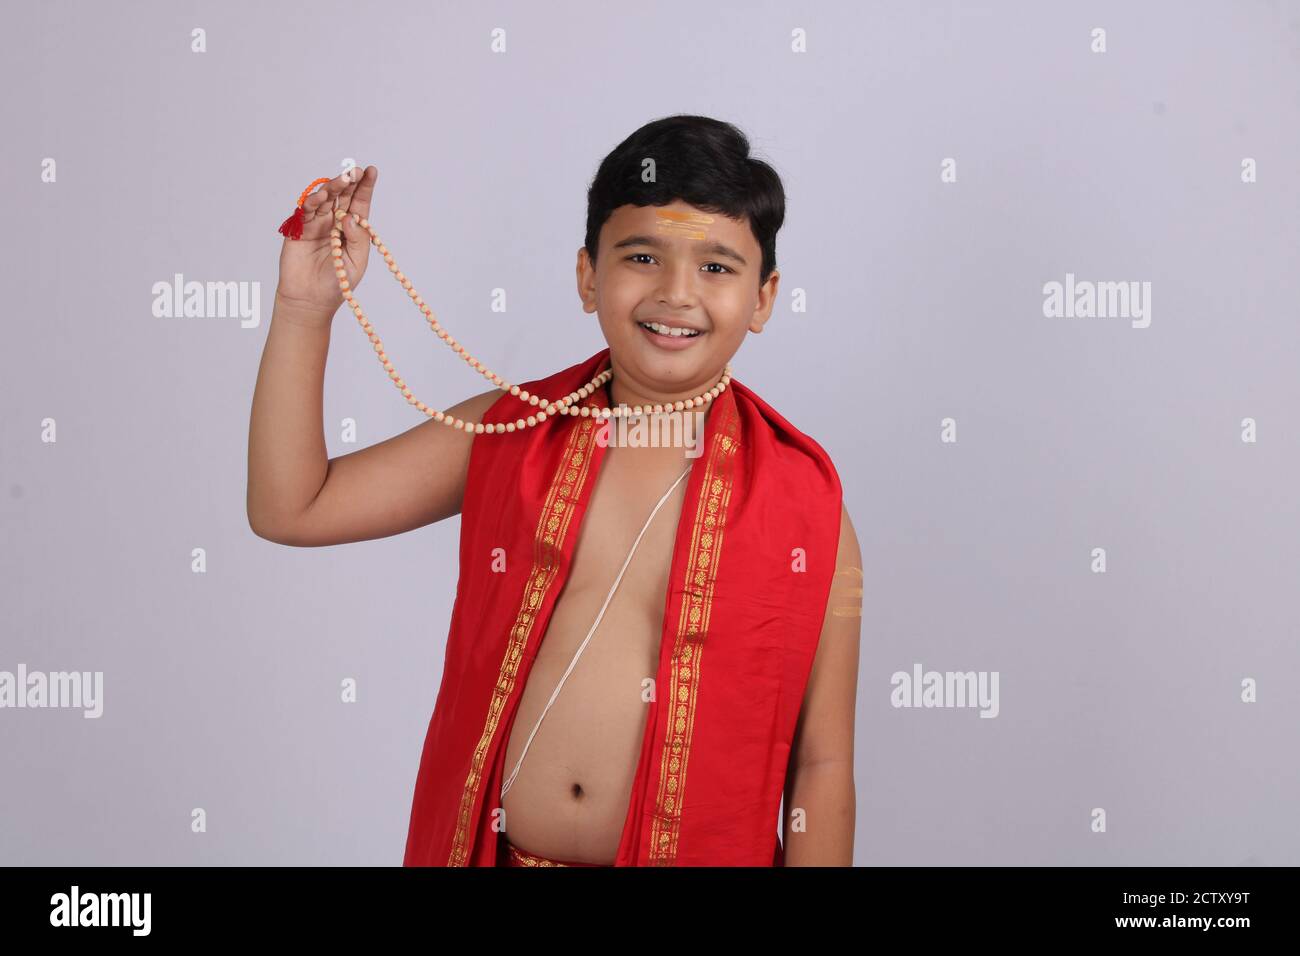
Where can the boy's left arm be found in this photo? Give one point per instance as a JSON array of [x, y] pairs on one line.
[[820, 798]]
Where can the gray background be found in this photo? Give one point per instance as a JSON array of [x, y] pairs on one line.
[[222, 689]]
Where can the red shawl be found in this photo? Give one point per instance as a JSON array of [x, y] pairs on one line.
[[741, 625]]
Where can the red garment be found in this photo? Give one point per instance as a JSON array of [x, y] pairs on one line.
[[741, 626]]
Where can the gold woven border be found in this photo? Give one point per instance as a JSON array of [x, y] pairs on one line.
[[527, 859], [552, 526], [692, 628]]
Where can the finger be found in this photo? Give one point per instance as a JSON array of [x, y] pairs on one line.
[[359, 200], [325, 211], [349, 233], [314, 228], [321, 201], [357, 243], [352, 177], [323, 218], [327, 195], [313, 202], [340, 183]]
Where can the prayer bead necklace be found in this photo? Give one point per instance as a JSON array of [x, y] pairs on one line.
[[292, 229]]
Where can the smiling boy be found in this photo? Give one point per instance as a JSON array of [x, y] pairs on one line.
[[649, 649]]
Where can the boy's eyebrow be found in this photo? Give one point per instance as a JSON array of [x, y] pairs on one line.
[[717, 248]]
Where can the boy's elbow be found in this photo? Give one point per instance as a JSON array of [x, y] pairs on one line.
[[270, 531], [261, 530]]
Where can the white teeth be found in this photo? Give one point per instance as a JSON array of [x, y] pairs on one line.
[[665, 330]]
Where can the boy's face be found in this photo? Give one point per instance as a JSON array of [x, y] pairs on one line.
[[678, 266]]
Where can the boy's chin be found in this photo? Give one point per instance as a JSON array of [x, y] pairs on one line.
[[669, 373], [655, 366]]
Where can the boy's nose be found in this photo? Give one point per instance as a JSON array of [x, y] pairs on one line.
[[677, 285]]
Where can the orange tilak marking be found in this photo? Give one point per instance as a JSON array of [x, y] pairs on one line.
[[845, 591], [688, 225], [853, 574]]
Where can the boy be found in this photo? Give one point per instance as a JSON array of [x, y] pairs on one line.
[[724, 675]]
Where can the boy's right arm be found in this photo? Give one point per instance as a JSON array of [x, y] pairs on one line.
[[297, 495]]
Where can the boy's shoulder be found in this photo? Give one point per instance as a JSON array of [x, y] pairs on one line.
[[785, 433]]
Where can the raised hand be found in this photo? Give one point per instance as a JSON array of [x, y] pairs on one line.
[[307, 278]]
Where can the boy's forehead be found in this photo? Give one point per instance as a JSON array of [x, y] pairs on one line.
[[677, 220]]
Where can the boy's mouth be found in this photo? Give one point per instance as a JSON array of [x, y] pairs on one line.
[[667, 337]]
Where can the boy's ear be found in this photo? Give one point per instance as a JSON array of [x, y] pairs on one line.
[[586, 274], [766, 299]]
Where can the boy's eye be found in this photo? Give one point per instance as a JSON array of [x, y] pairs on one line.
[[645, 255]]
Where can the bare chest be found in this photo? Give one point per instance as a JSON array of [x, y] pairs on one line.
[[569, 797]]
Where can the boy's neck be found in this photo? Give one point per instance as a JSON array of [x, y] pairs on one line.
[[696, 419], [621, 393]]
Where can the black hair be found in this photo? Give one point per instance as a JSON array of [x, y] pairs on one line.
[[703, 162]]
